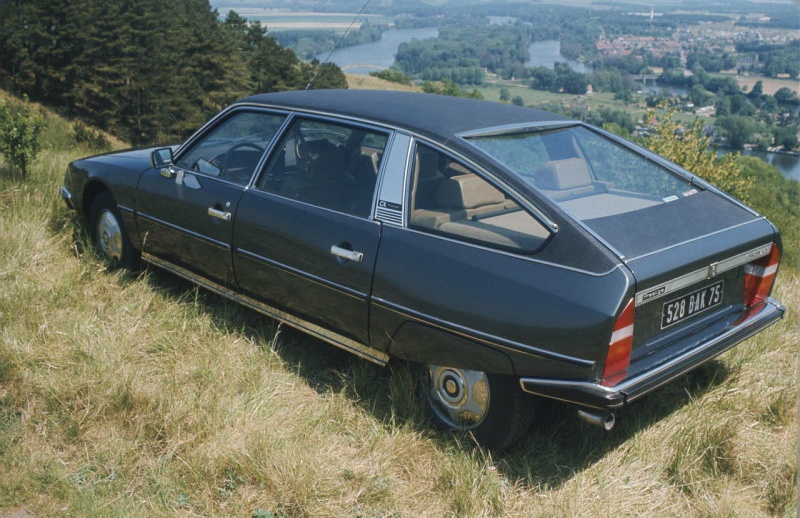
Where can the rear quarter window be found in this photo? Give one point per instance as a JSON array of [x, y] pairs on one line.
[[450, 199]]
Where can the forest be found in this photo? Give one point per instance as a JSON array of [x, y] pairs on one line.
[[147, 71]]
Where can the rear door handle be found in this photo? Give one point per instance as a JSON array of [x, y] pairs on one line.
[[219, 214], [350, 255]]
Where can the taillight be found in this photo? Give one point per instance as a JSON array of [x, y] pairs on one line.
[[759, 276], [619, 349]]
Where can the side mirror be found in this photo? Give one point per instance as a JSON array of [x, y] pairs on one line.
[[161, 158]]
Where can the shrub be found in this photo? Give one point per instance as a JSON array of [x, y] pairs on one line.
[[691, 148], [20, 131], [90, 137]]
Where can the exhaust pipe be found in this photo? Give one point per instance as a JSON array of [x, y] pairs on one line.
[[602, 419]]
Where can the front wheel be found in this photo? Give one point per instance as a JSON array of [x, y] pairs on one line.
[[108, 233], [491, 407]]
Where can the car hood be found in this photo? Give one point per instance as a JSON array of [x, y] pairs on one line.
[[126, 154]]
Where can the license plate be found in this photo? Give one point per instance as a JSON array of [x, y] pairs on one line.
[[680, 309]]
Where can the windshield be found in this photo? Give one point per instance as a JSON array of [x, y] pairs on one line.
[[590, 176]]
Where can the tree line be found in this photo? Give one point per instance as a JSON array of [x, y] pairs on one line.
[[146, 70], [307, 43]]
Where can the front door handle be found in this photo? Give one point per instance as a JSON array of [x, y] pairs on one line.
[[219, 214], [350, 255]]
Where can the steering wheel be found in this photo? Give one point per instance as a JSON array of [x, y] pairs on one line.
[[227, 158]]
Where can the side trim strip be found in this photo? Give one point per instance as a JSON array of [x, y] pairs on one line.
[[302, 275], [182, 230], [332, 338], [477, 336], [656, 292]]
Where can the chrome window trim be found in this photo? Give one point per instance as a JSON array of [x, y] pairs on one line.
[[335, 339], [261, 168], [183, 148], [511, 129], [384, 126]]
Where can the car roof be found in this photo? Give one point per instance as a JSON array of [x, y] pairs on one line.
[[432, 115]]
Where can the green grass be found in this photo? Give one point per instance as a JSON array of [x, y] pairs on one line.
[[139, 395], [540, 99]]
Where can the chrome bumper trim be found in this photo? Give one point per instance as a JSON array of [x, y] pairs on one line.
[[592, 394], [67, 197]]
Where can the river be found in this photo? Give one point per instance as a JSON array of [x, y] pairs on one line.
[[547, 53], [378, 55], [788, 165]]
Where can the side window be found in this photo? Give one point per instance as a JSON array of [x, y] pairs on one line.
[[330, 165], [232, 149], [448, 198]]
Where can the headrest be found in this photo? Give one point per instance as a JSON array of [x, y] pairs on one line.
[[327, 162], [558, 175], [467, 192], [455, 169], [426, 163]]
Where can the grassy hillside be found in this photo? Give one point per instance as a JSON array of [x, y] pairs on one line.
[[139, 395], [366, 82]]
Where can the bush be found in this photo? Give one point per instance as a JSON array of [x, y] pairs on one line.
[[750, 179], [90, 137], [394, 76], [691, 149], [20, 131]]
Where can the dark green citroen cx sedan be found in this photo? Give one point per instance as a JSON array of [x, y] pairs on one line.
[[509, 253]]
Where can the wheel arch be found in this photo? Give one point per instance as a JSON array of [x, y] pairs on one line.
[[90, 192], [422, 343]]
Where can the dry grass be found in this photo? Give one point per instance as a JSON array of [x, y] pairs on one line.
[[367, 82], [138, 395], [770, 84]]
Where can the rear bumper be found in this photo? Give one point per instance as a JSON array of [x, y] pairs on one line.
[[593, 394]]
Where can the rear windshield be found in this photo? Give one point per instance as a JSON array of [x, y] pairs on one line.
[[585, 173]]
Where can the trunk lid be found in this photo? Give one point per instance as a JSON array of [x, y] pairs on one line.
[[689, 259]]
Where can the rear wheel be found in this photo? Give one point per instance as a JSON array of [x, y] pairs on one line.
[[489, 406], [108, 232]]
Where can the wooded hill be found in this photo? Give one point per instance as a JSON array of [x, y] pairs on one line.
[[146, 70]]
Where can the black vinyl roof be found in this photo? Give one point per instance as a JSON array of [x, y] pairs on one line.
[[433, 115]]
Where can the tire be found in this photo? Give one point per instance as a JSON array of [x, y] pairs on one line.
[[109, 236], [490, 407]]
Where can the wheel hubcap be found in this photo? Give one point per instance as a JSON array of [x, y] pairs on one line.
[[109, 236], [459, 397]]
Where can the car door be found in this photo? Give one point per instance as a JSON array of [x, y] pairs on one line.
[[304, 240], [185, 213]]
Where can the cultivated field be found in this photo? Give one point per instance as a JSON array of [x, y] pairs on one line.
[[138, 395], [280, 20], [770, 84]]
